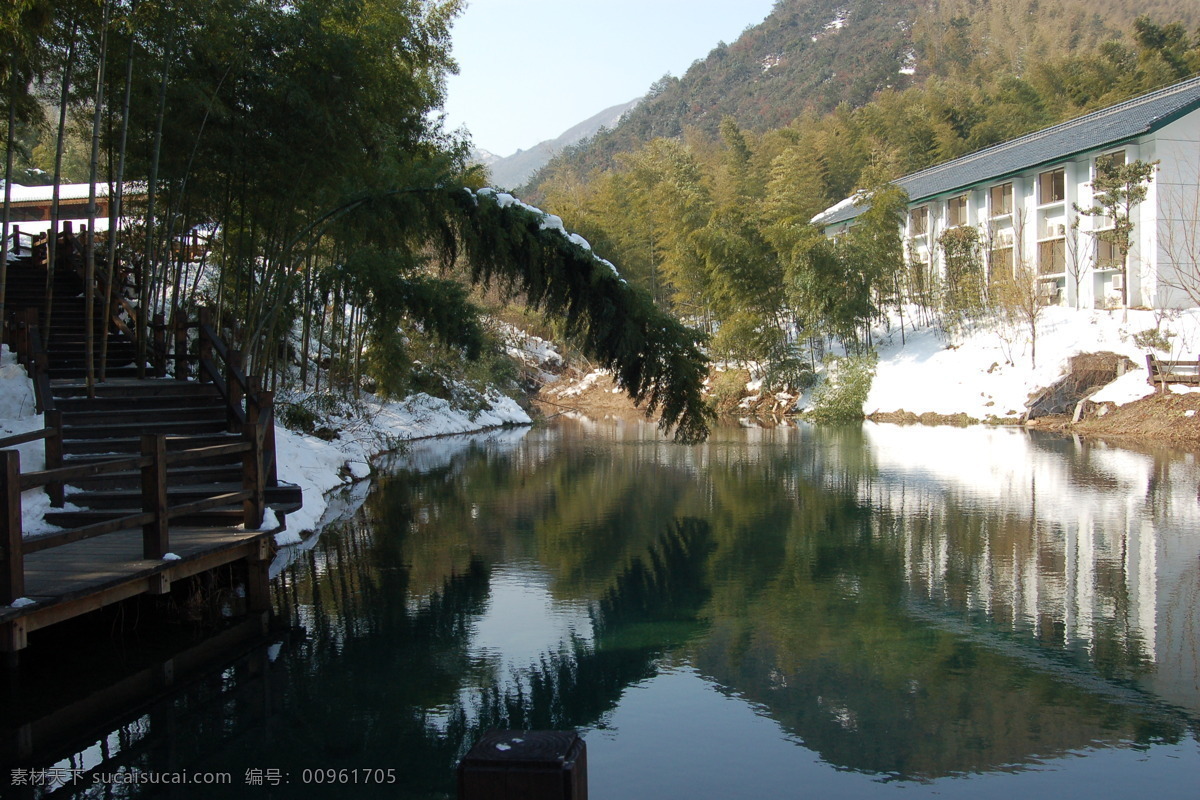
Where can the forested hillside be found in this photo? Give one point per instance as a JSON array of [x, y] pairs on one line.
[[811, 56], [704, 196]]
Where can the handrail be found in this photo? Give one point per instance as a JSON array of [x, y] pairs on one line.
[[32, 480], [31, 353], [16, 235], [28, 436], [108, 526]]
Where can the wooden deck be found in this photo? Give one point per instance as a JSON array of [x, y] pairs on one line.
[[73, 579]]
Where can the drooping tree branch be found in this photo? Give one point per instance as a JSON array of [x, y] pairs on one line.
[[654, 357]]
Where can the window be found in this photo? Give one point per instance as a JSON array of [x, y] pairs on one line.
[[1000, 255], [1052, 257], [1000, 261], [956, 211], [1052, 186], [1000, 199], [918, 221], [1116, 159], [1108, 255]]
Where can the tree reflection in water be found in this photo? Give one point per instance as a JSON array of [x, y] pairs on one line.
[[783, 570], [897, 613]]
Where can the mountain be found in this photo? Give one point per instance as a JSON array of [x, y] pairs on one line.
[[811, 57], [512, 171]]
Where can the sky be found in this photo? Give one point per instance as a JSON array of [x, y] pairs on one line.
[[531, 69]]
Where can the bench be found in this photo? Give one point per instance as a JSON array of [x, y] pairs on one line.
[[1161, 372]]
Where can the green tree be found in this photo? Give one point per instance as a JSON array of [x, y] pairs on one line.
[[963, 294], [1117, 189]]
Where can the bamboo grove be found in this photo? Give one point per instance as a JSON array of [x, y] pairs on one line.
[[296, 147]]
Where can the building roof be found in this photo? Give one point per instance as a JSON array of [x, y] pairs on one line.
[[42, 194], [1095, 131]]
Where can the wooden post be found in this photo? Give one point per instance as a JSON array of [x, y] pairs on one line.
[[156, 533], [16, 237], [233, 368], [141, 326], [252, 478], [1152, 370], [181, 365], [206, 348], [524, 765], [266, 418], [12, 561], [258, 577], [54, 457], [160, 345]]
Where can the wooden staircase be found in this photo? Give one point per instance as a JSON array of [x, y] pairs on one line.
[[109, 421]]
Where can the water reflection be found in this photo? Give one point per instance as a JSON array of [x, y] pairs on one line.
[[906, 602], [842, 611]]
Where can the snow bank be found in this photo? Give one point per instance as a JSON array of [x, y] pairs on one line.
[[989, 373], [318, 466]]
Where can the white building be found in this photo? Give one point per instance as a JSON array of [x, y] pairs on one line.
[[1023, 198]]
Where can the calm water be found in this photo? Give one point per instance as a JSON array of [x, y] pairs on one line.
[[884, 612]]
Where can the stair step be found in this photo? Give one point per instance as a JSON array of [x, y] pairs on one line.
[[137, 388], [140, 404], [124, 415], [130, 446], [217, 517], [285, 496], [60, 373], [218, 471], [75, 432]]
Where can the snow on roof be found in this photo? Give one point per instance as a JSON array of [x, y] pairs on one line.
[[66, 191], [837, 209]]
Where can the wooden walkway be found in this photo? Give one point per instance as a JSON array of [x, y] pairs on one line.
[[164, 470], [73, 579]]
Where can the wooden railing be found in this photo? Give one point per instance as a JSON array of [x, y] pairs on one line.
[[155, 515], [16, 239], [222, 366], [1160, 372]]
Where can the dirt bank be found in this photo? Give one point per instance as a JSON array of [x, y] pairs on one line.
[[1172, 418], [1168, 418]]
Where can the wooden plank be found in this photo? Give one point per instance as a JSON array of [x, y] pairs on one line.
[[29, 436], [95, 530]]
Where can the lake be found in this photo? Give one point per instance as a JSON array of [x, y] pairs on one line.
[[862, 612]]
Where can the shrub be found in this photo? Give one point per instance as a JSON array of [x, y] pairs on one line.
[[727, 390], [1154, 339], [847, 382]]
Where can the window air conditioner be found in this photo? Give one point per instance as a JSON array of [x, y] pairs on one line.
[[1061, 229], [1118, 282]]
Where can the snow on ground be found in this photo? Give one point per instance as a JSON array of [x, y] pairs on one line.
[[989, 372], [318, 466]]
